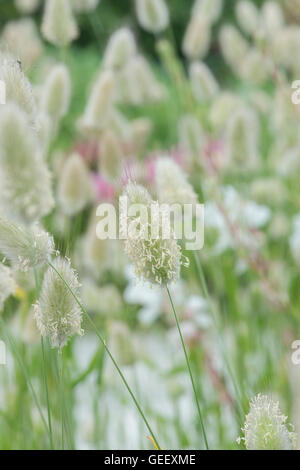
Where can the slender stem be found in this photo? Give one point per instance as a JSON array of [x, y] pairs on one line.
[[37, 286], [24, 370], [190, 370], [47, 394], [214, 317], [61, 396], [108, 352]]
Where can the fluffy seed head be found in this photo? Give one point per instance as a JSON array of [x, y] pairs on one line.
[[100, 104], [153, 15], [20, 39], [233, 46], [203, 83], [137, 84], [56, 92], [155, 259], [57, 313], [266, 427], [120, 49], [27, 6], [247, 15], [210, 9], [84, 6], [25, 179], [7, 283], [111, 157], [197, 38], [172, 184], [272, 17], [18, 88], [59, 26], [241, 138], [190, 134], [25, 247], [75, 189]]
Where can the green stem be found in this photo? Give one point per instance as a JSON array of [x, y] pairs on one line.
[[37, 286], [214, 317], [24, 370], [108, 352], [47, 394], [189, 369], [61, 396]]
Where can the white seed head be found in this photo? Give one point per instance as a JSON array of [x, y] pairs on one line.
[[153, 15], [111, 157], [266, 427], [59, 26], [234, 47], [7, 283], [20, 39], [84, 6], [137, 83], [57, 313], [255, 67], [241, 139], [155, 259], [223, 107], [75, 188], [27, 6], [25, 247], [56, 92], [100, 104], [120, 49], [26, 193], [18, 88], [203, 82], [272, 17], [247, 15], [197, 38], [191, 135], [210, 9], [172, 184]]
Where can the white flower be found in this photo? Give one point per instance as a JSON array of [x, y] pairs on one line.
[[57, 313], [266, 428]]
